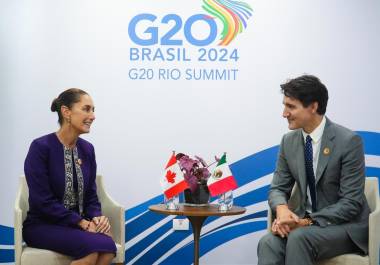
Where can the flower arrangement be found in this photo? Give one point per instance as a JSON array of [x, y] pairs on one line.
[[196, 174]]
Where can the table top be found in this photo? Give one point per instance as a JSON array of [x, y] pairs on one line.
[[209, 210]]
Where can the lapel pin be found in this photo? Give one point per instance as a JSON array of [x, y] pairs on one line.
[[326, 151]]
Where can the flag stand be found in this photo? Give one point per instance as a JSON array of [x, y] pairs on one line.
[[225, 201], [172, 203]]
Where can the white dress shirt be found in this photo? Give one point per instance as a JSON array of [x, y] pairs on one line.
[[316, 137]]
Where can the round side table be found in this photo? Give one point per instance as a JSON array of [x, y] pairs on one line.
[[196, 216]]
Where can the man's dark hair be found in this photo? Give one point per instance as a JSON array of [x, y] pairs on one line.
[[307, 89]]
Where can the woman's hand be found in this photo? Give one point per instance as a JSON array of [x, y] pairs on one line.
[[88, 226], [102, 224], [92, 227]]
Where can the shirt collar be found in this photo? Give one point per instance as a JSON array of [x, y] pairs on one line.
[[316, 135]]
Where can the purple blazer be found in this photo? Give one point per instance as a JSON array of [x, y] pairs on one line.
[[45, 174]]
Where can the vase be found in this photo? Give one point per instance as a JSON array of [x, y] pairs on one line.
[[200, 196]]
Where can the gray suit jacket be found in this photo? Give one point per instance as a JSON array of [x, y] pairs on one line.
[[340, 178]]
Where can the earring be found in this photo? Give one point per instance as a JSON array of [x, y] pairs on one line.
[[68, 120]]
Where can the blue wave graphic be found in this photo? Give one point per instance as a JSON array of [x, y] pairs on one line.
[[7, 255], [6, 235], [245, 171], [141, 223], [244, 218], [211, 241], [371, 142], [142, 244], [133, 212]]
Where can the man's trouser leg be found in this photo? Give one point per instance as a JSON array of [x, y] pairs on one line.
[[305, 245], [271, 250]]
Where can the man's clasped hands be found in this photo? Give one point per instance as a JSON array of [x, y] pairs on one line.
[[286, 221]]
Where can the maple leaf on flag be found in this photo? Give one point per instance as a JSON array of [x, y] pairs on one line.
[[170, 176], [172, 180]]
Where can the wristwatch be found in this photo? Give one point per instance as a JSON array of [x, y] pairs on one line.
[[309, 221]]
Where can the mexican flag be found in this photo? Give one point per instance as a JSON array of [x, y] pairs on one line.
[[173, 181], [221, 179]]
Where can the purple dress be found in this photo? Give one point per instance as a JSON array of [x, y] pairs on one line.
[[62, 191]]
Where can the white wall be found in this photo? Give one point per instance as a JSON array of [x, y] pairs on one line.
[[46, 46]]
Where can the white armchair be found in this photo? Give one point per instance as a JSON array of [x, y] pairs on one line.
[[25, 255], [372, 194]]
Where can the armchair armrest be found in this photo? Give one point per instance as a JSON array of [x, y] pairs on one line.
[[114, 211], [18, 219], [374, 235], [269, 220]]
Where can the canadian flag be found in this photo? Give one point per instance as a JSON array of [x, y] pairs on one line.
[[173, 181]]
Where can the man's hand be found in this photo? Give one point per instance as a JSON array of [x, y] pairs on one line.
[[286, 221], [284, 229], [280, 230], [285, 216]]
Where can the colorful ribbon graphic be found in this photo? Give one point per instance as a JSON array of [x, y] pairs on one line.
[[233, 15]]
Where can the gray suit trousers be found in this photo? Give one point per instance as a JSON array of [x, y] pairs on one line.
[[305, 246]]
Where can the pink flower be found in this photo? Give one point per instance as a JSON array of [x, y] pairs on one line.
[[195, 170]]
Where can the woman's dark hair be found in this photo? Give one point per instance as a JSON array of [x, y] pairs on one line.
[[307, 89], [66, 98]]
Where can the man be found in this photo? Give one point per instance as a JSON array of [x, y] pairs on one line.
[[328, 214]]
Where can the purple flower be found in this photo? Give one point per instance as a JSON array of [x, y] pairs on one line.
[[195, 170]]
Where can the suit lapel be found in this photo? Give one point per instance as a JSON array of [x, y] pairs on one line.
[[327, 145]]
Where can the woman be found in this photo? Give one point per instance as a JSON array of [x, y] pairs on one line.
[[64, 212]]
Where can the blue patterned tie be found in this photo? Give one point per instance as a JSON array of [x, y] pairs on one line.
[[310, 172]]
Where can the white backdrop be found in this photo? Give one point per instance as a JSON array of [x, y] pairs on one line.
[[47, 46]]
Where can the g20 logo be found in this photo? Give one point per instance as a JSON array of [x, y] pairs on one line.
[[232, 16], [151, 33]]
